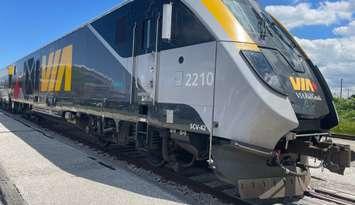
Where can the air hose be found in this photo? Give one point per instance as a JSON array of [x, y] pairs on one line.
[[276, 161]]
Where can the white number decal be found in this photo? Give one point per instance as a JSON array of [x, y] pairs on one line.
[[198, 127], [199, 79], [210, 79], [195, 77], [188, 82], [202, 76]]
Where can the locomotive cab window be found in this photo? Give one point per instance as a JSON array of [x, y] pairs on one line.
[[148, 35], [121, 34], [187, 29]]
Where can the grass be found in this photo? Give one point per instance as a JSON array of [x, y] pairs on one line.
[[346, 111]]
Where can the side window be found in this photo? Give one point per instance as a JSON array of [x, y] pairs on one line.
[[116, 29], [148, 40], [122, 36], [187, 29], [121, 31], [147, 27]]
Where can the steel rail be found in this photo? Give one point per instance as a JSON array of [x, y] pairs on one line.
[[343, 136], [330, 197]]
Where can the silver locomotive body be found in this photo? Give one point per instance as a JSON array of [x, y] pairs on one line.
[[218, 80]]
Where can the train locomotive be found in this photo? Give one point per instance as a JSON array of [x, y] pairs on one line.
[[183, 81]]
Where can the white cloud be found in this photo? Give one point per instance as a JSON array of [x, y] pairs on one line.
[[348, 30], [302, 14], [335, 58]]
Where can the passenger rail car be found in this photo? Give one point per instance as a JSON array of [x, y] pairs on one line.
[[190, 80]]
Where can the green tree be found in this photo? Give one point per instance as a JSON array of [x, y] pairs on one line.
[[346, 112]]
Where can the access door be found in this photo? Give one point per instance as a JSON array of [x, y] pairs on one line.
[[146, 53], [187, 71]]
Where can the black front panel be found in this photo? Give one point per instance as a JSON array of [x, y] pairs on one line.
[[291, 67], [302, 88]]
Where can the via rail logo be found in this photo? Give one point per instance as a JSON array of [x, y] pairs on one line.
[[55, 68], [305, 88]]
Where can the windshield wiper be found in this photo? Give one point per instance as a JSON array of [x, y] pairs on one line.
[[262, 25], [279, 33]]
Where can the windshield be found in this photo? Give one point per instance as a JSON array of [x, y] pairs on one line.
[[265, 31], [281, 51], [244, 12]]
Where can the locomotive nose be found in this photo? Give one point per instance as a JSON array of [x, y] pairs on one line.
[[306, 89], [247, 108]]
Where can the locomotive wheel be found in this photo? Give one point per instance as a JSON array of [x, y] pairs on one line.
[[99, 135], [103, 143], [155, 158]]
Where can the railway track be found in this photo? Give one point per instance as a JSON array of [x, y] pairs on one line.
[[198, 179], [331, 196], [344, 136]]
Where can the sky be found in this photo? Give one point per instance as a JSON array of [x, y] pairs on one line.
[[324, 28]]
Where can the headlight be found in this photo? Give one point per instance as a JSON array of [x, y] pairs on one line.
[[263, 69]]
